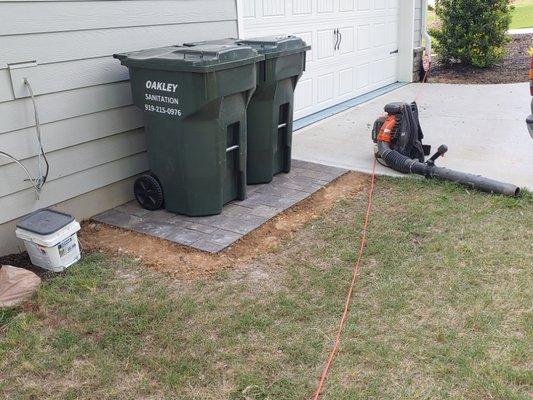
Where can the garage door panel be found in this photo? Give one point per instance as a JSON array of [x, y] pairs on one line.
[[378, 70], [384, 69], [394, 4], [392, 31], [303, 98], [325, 44], [348, 38], [325, 86], [249, 9], [362, 76], [392, 67], [325, 6], [273, 8], [380, 34], [346, 81], [302, 7], [346, 5], [363, 5], [380, 4], [363, 37]]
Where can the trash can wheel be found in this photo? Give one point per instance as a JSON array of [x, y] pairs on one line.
[[148, 192]]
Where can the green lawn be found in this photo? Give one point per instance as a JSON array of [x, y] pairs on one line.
[[442, 310], [522, 14]]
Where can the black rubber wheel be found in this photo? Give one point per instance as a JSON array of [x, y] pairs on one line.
[[148, 192]]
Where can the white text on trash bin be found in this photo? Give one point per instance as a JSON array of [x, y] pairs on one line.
[[163, 101], [163, 86]]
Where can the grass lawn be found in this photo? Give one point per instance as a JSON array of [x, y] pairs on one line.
[[442, 310], [522, 14]]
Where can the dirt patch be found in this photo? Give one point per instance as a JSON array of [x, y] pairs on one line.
[[188, 263], [513, 68]]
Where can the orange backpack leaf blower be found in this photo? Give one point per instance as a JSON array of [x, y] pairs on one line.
[[398, 137]]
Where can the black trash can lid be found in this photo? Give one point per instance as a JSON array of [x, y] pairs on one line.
[[45, 221], [206, 57], [276, 46]]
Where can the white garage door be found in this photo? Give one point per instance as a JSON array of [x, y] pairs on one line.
[[354, 45]]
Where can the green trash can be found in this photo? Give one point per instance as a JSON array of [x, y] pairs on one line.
[[194, 102], [270, 112]]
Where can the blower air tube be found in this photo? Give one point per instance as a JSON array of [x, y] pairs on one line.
[[406, 165]]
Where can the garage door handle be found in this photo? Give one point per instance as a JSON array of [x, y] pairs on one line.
[[340, 39], [394, 52], [336, 33]]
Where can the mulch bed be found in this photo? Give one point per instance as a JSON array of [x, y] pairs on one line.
[[513, 68]]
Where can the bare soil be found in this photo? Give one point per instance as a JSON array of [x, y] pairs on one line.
[[187, 263], [513, 68]]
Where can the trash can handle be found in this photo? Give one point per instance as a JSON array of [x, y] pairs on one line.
[[185, 52]]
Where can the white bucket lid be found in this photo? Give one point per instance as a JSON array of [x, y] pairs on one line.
[[45, 221], [49, 240], [46, 227]]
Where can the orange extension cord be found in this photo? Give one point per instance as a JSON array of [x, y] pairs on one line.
[[357, 267], [355, 274]]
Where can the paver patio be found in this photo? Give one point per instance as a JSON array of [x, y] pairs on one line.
[[216, 232]]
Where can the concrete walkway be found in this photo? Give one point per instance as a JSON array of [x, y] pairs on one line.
[[483, 126], [520, 31]]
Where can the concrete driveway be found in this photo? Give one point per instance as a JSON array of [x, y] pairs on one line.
[[483, 126]]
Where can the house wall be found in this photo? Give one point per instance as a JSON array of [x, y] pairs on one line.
[[91, 132]]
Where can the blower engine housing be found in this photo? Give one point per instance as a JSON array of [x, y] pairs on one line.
[[401, 128]]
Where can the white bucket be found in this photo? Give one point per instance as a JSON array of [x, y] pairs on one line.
[[53, 250]]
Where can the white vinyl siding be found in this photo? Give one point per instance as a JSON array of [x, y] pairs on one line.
[[91, 132]]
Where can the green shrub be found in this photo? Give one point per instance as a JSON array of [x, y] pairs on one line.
[[472, 32]]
